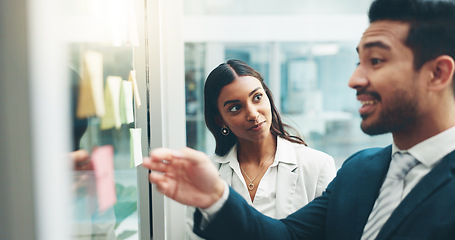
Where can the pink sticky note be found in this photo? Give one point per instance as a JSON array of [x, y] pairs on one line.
[[103, 165]]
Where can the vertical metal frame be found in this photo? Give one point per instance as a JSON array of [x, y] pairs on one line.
[[142, 121], [155, 102], [166, 100], [174, 100], [16, 208], [154, 109]]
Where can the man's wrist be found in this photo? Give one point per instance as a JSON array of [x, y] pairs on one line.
[[209, 212]]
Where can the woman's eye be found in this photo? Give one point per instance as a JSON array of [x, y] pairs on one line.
[[258, 97], [235, 108]]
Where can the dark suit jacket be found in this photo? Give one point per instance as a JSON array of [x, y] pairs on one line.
[[427, 212]]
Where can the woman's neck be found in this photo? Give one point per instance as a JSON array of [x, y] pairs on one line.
[[256, 152]]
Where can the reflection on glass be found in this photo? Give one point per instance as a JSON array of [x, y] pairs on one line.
[[194, 80], [91, 219]]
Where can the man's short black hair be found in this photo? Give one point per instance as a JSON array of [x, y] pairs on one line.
[[432, 25]]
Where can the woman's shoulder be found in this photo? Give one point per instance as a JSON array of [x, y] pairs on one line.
[[303, 152], [218, 160], [301, 148]]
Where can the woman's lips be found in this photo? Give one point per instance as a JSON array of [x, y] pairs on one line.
[[257, 127]]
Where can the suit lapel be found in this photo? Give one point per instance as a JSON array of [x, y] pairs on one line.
[[366, 188], [286, 179], [285, 188], [224, 169], [225, 173], [430, 183]]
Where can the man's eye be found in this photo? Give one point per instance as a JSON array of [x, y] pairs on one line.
[[235, 108], [375, 61]]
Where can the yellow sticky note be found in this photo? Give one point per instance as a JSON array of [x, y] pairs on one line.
[[126, 102], [91, 101], [112, 99], [132, 78], [136, 146]]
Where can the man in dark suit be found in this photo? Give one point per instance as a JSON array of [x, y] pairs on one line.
[[404, 81]]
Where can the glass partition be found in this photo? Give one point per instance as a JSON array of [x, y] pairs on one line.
[[111, 214], [105, 100]]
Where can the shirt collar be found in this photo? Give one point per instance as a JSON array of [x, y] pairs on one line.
[[281, 154], [283, 150], [431, 150], [232, 154]]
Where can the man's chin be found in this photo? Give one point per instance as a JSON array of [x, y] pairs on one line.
[[372, 130]]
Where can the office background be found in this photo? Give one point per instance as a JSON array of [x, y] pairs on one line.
[[305, 50]]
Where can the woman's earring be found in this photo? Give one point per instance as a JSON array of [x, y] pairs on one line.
[[225, 130]]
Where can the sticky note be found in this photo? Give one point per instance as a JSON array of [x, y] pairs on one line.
[[112, 100], [136, 146], [91, 99], [103, 165], [132, 78], [126, 102]]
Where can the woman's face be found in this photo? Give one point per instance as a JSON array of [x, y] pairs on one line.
[[245, 109]]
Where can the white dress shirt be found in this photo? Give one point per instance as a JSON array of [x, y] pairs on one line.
[[264, 200], [429, 153]]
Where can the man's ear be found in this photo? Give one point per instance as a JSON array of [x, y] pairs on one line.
[[442, 69]]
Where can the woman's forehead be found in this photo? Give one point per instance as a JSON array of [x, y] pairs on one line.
[[242, 84]]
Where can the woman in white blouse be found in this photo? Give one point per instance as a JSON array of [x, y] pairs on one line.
[[273, 170]]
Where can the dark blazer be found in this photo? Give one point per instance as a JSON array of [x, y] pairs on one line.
[[427, 212]]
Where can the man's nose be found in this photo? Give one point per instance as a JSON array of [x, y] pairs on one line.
[[358, 78]]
